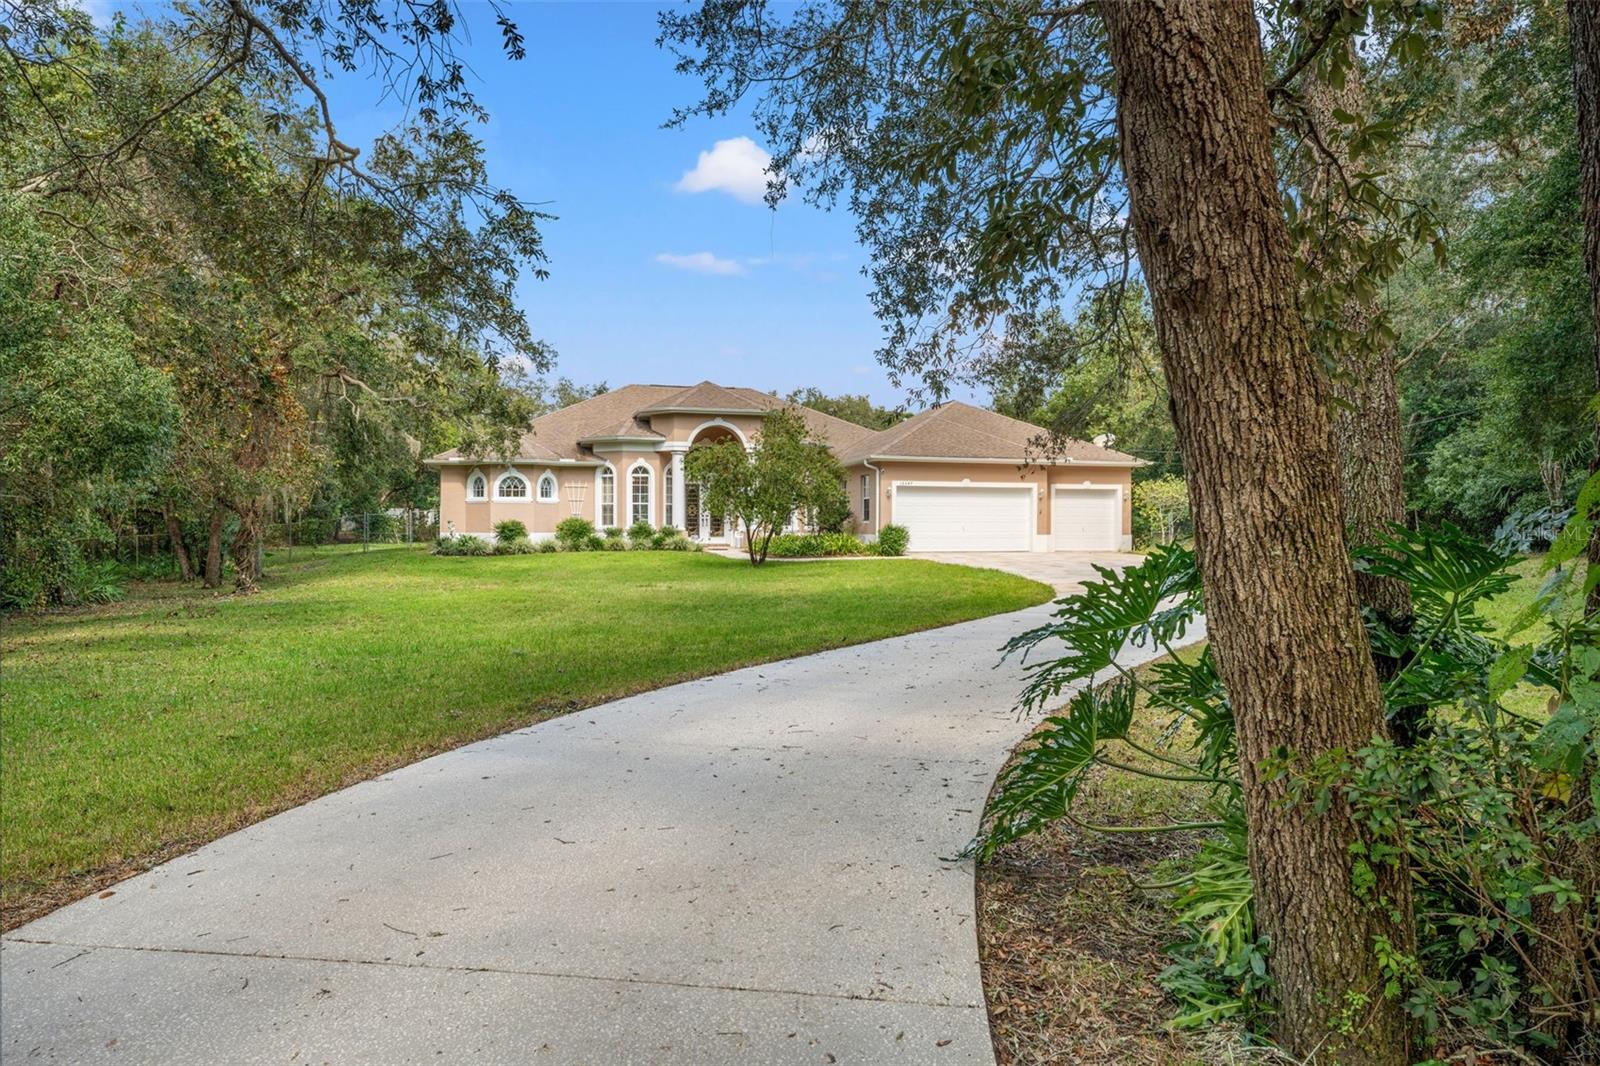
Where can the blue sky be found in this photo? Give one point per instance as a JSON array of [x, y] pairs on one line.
[[655, 276]]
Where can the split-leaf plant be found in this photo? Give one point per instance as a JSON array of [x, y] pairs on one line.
[[1492, 802]]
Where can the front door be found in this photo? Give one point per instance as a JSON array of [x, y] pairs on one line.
[[696, 523]]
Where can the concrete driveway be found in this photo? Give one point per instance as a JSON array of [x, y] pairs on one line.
[[1065, 571], [752, 868]]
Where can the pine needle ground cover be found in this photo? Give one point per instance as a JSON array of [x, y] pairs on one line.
[[139, 730]]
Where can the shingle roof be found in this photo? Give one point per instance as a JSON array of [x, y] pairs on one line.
[[708, 396], [556, 436], [961, 431]]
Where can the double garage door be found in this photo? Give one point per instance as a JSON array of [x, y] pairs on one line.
[[968, 518], [965, 518]]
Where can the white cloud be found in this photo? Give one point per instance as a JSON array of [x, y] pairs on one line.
[[700, 263], [101, 12], [737, 166]]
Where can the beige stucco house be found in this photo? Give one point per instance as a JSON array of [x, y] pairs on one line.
[[958, 477]]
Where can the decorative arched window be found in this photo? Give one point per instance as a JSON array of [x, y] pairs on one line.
[[639, 495], [477, 487], [608, 498], [511, 487], [547, 489]]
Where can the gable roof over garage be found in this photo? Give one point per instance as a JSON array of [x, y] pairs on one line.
[[958, 431]]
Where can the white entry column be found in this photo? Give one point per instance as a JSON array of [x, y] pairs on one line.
[[679, 518]]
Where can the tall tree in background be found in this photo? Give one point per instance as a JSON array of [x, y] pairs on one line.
[[1096, 375], [857, 408], [320, 313], [994, 158]]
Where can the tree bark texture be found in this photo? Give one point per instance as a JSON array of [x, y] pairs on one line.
[[1584, 16], [214, 548], [1251, 407], [1366, 411]]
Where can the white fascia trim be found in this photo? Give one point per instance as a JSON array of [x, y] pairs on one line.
[[1008, 462], [480, 462], [742, 411]]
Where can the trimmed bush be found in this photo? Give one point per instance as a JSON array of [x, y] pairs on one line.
[[893, 540], [515, 546], [595, 543], [613, 533], [575, 533], [641, 533], [615, 544], [463, 545], [670, 540], [510, 530], [548, 546], [814, 545]]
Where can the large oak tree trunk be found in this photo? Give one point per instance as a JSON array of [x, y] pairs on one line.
[[1251, 407]]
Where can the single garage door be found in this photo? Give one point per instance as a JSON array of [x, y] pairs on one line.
[[965, 518], [1086, 520]]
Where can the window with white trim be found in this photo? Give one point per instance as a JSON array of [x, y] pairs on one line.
[[608, 498], [547, 489], [639, 495], [477, 487], [666, 494], [866, 498], [511, 487]]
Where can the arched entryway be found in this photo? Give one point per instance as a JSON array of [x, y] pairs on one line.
[[699, 523]]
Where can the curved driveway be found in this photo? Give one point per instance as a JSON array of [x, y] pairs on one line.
[[749, 868]]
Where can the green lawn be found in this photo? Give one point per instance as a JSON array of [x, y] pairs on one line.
[[135, 730]]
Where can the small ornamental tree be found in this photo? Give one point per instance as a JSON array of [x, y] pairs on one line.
[[761, 488]]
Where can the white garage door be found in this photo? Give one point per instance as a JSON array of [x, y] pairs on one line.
[[965, 518], [1086, 520]]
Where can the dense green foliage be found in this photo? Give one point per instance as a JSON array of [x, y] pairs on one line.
[[1484, 807], [268, 701], [263, 329], [510, 529], [851, 407], [893, 539], [1495, 342], [816, 545]]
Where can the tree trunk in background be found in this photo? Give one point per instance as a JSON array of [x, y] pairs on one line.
[[1366, 411], [214, 548], [1585, 18], [245, 549], [180, 550], [1251, 407], [1366, 414]]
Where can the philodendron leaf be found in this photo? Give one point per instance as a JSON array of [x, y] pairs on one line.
[[1508, 670]]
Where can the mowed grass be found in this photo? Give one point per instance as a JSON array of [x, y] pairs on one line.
[[137, 730]]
